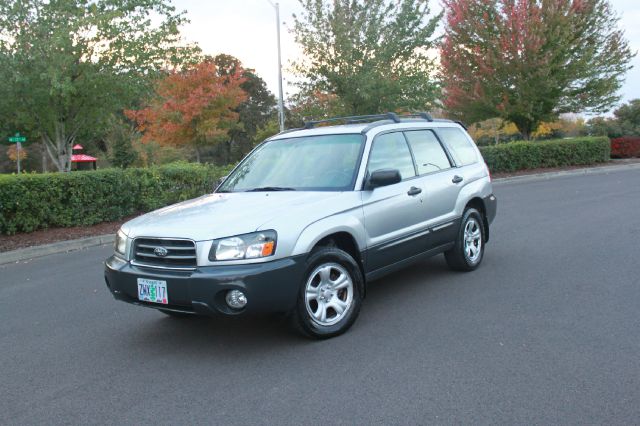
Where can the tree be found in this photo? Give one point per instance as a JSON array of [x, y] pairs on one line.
[[318, 105], [602, 126], [195, 106], [253, 113], [119, 139], [493, 131], [530, 60], [374, 55], [67, 65], [628, 118], [12, 153]]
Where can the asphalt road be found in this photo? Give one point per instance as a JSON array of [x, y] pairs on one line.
[[547, 331]]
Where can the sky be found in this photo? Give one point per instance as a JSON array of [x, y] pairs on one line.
[[246, 29]]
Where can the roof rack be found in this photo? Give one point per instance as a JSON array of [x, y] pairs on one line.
[[368, 118]]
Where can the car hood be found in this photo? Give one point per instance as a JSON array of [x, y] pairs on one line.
[[221, 215]]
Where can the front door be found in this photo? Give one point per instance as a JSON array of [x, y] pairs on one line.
[[393, 214]]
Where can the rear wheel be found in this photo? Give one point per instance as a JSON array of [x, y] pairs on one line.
[[468, 250], [330, 295]]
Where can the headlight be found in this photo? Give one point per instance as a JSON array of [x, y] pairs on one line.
[[121, 242], [247, 246]]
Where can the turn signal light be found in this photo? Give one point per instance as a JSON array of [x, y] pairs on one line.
[[267, 248]]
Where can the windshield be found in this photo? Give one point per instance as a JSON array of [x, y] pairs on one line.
[[313, 163]]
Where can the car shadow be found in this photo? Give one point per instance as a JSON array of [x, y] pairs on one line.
[[243, 336]]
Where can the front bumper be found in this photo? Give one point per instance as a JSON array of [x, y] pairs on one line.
[[269, 287]]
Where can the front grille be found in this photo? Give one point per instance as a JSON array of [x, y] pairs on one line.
[[179, 253]]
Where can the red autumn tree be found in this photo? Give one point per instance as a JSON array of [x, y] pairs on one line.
[[195, 106], [526, 61]]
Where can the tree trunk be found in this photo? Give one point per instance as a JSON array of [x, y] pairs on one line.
[[43, 151], [197, 154], [59, 147], [525, 127]]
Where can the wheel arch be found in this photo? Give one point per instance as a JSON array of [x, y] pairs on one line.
[[478, 204], [346, 242]]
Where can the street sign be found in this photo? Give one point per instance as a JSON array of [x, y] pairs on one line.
[[17, 138]]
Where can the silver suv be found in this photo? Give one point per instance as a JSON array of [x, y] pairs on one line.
[[308, 218]]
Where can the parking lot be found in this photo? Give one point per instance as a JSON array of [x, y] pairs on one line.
[[547, 331]]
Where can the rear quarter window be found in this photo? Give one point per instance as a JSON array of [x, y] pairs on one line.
[[459, 144]]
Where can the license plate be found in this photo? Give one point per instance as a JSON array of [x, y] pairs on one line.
[[154, 291]]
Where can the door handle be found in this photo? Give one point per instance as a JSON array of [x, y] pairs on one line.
[[414, 191], [457, 179]]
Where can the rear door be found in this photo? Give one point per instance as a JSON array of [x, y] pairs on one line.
[[393, 214], [439, 180]]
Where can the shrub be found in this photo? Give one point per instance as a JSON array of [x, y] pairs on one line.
[[625, 147], [32, 201], [552, 153]]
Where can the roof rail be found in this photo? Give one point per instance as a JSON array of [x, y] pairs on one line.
[[367, 118], [354, 119]]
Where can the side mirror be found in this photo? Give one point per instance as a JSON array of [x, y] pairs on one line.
[[383, 177]]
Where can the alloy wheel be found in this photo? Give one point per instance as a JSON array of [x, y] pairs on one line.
[[328, 294]]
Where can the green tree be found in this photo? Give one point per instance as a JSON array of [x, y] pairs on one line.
[[628, 118], [68, 65], [270, 128], [374, 55], [119, 138], [603, 126], [529, 61]]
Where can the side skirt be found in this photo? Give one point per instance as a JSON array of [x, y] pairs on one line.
[[379, 273]]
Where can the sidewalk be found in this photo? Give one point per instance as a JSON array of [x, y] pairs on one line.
[[24, 254], [28, 253]]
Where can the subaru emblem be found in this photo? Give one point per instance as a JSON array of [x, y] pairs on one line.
[[160, 251]]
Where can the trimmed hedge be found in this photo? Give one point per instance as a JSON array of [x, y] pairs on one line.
[[514, 156], [625, 147], [33, 201]]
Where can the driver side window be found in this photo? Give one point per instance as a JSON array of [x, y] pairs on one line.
[[390, 151]]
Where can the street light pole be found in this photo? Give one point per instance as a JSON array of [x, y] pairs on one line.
[[280, 97]]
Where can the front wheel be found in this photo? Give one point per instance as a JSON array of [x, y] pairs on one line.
[[330, 295], [468, 250]]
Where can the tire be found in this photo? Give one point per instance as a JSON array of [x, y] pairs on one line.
[[330, 294], [468, 251]]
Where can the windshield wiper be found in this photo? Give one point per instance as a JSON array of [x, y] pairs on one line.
[[270, 188]]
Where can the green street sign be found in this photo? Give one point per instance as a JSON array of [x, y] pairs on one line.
[[17, 138]]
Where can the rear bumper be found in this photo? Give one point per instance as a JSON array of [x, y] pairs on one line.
[[269, 287]]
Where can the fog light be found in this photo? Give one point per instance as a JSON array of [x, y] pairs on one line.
[[236, 299]]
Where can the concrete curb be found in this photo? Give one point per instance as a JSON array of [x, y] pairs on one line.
[[59, 247], [576, 172], [65, 246]]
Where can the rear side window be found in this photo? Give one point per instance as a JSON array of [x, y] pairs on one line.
[[459, 145], [429, 155], [390, 151]]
